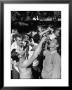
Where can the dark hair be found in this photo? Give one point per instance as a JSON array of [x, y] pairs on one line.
[[17, 35], [36, 38], [14, 55]]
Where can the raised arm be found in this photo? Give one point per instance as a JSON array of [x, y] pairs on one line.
[[43, 32], [26, 63]]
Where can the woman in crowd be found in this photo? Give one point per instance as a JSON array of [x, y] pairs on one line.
[[24, 64]]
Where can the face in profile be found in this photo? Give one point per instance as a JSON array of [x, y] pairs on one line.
[[26, 37], [53, 43], [19, 41]]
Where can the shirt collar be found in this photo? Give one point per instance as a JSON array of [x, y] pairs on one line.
[[53, 51]]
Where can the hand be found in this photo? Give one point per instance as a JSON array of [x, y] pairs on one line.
[[44, 38]]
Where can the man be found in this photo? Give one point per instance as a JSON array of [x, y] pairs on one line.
[[16, 50], [24, 64], [52, 63], [17, 44]]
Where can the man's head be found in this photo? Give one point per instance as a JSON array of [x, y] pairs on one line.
[[25, 37], [57, 32], [53, 43], [19, 40]]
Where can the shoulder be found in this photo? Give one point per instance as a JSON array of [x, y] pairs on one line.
[[57, 58]]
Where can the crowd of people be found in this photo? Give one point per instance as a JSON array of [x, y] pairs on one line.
[[36, 54]]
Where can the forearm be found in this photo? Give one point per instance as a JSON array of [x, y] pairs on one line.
[[38, 50], [44, 32], [27, 63]]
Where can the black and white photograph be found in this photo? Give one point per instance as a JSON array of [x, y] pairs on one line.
[[35, 44]]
